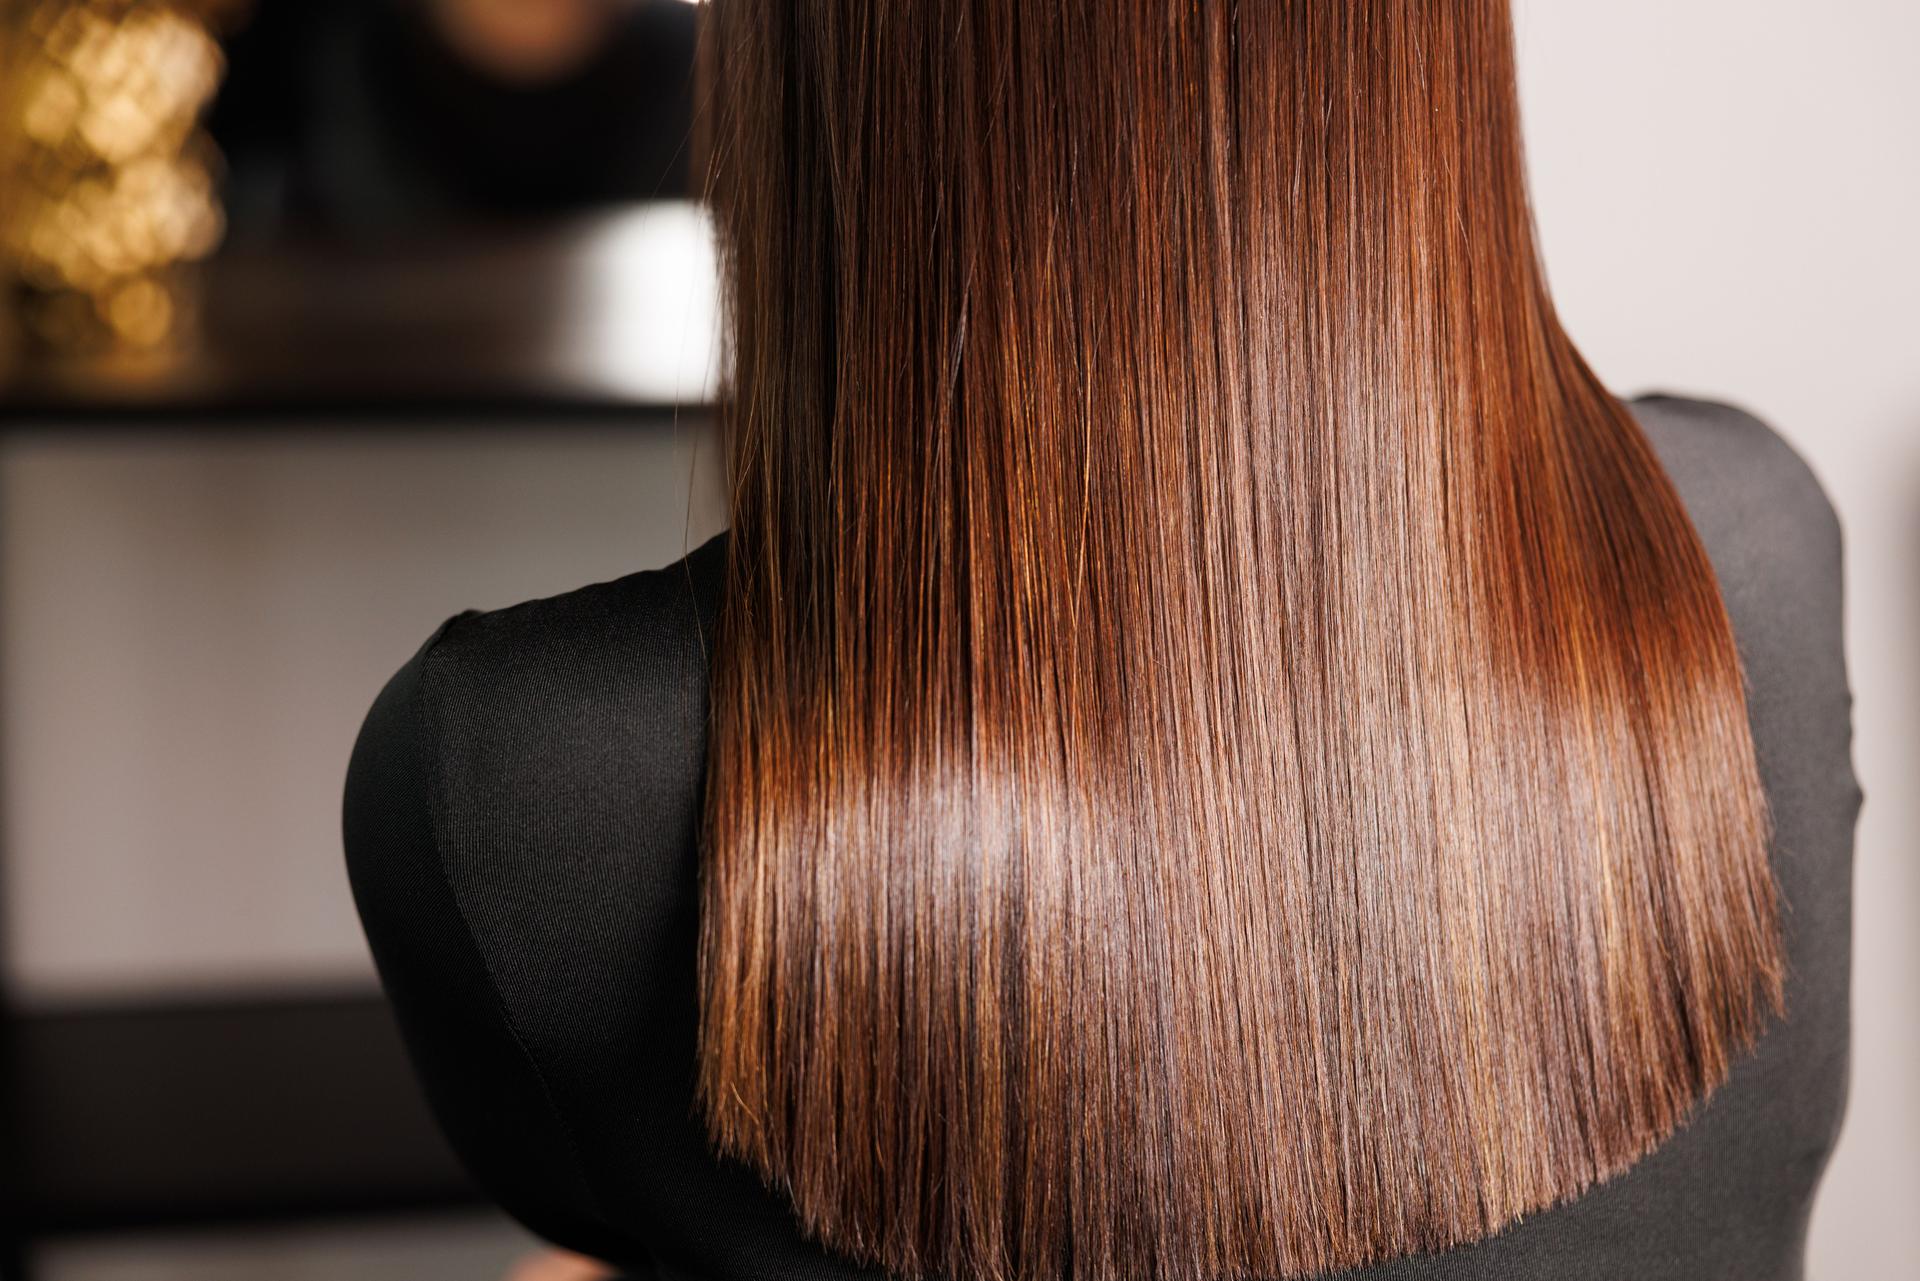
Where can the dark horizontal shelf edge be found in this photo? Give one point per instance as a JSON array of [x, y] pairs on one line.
[[252, 1107], [450, 409]]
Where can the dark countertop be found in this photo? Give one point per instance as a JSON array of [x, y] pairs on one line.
[[607, 314]]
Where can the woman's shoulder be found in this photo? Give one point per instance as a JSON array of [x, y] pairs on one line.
[[553, 712], [519, 821], [1777, 549], [537, 769], [563, 714], [1767, 523], [1745, 487], [648, 617], [577, 693]]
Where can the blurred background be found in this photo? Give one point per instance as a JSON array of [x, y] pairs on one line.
[[321, 320]]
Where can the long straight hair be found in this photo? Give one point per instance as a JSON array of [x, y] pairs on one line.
[[1227, 756]]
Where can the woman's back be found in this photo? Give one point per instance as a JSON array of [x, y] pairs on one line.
[[522, 817]]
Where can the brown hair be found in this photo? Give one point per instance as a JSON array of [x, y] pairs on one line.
[[1227, 756]]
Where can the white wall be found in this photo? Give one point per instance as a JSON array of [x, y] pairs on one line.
[[1729, 196], [194, 626]]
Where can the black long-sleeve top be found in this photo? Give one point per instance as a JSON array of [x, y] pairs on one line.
[[520, 819]]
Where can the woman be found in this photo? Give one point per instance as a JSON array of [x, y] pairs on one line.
[[1213, 746]]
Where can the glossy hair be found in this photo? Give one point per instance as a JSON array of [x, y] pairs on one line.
[[1227, 756]]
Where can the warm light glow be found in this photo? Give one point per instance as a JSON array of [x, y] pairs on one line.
[[646, 308], [109, 180]]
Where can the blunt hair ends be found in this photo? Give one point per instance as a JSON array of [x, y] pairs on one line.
[[1227, 757]]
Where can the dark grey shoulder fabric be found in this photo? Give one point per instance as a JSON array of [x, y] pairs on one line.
[[520, 824]]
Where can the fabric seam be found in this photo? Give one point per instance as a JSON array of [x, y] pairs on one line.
[[436, 804]]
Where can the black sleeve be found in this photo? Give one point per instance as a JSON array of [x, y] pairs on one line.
[[481, 1077]]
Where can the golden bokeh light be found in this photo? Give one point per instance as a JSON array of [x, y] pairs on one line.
[[107, 183]]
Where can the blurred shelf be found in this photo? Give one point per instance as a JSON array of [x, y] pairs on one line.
[[141, 1115], [611, 314]]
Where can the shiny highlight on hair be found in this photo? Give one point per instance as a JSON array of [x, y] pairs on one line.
[[1227, 756]]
